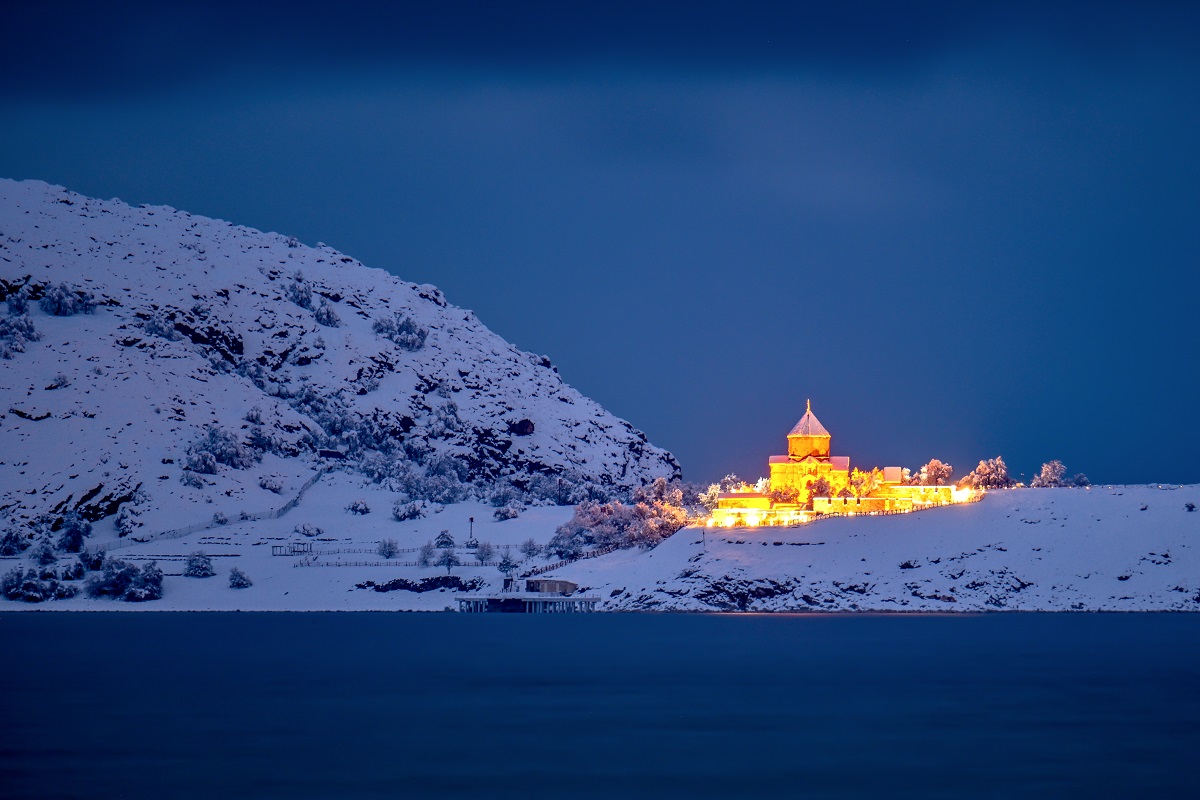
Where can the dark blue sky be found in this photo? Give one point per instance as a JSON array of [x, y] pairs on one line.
[[962, 229]]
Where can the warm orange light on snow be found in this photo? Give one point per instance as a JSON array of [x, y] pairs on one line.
[[809, 476]]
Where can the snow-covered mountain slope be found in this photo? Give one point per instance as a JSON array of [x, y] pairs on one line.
[[293, 350], [1107, 548]]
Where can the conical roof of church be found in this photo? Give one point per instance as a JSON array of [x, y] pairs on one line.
[[809, 425]]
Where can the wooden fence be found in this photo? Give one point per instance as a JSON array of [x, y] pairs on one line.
[[558, 565], [177, 533]]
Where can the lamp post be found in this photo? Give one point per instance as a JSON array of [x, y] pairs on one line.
[[472, 521]]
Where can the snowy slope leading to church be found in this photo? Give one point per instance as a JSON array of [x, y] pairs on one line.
[[292, 349]]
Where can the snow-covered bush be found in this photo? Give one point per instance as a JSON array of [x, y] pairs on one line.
[[220, 518], [506, 512], [15, 333], [199, 565], [402, 331], [13, 543], [92, 562], [299, 292], [359, 507], [388, 548], [18, 302], [425, 554], [64, 301], [60, 381], [325, 315], [160, 324], [43, 553], [271, 483], [1080, 481], [201, 462], [124, 581], [73, 531], [74, 571], [192, 479], [306, 529], [30, 586], [217, 446], [239, 579], [403, 512]]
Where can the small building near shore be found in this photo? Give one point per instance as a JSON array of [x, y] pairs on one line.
[[538, 596]]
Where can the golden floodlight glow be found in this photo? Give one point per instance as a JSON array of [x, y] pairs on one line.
[[808, 482]]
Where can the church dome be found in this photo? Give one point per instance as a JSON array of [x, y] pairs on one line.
[[809, 425]]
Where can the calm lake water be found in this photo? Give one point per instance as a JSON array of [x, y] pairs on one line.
[[171, 705]]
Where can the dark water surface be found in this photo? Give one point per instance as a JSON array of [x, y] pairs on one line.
[[172, 705]]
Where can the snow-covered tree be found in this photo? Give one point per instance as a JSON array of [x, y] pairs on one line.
[[990, 474], [448, 559], [199, 565], [936, 473], [239, 579], [788, 494], [507, 565], [1050, 477], [444, 539], [485, 552], [820, 488], [73, 531], [13, 543], [425, 554], [388, 548], [863, 482], [530, 548], [657, 513]]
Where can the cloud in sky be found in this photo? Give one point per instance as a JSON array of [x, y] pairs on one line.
[[962, 232]]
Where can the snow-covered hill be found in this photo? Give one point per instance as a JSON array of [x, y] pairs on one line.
[[1106, 548], [301, 358]]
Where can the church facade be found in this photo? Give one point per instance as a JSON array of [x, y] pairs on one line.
[[809, 481]]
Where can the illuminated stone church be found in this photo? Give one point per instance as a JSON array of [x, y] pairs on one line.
[[809, 482]]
